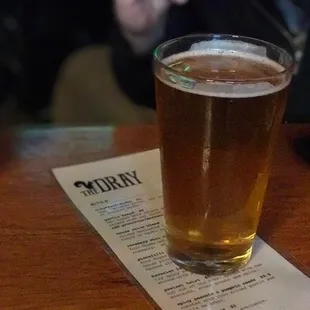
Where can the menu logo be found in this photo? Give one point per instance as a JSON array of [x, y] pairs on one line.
[[107, 184]]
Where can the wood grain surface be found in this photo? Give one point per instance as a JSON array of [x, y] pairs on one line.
[[51, 259]]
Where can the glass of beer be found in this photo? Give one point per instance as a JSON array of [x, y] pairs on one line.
[[220, 101]]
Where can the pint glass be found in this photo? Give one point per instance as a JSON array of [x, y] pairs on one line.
[[220, 100]]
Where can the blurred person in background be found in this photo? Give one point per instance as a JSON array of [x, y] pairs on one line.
[[143, 24], [68, 42]]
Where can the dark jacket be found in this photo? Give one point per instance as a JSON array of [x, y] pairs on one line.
[[256, 18]]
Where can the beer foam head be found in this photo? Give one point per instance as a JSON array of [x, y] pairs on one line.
[[226, 45], [223, 89]]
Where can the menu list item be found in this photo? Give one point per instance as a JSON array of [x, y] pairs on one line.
[[122, 199]]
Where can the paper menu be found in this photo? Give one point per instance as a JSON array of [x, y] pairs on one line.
[[122, 200]]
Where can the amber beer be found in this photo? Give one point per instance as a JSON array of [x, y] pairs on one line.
[[219, 111]]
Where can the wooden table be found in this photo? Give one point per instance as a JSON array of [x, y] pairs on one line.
[[50, 258]]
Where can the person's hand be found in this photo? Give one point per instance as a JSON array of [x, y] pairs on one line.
[[140, 16]]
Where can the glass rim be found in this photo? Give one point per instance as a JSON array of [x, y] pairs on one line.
[[286, 70]]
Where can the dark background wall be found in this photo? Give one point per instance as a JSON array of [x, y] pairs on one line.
[[35, 38]]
